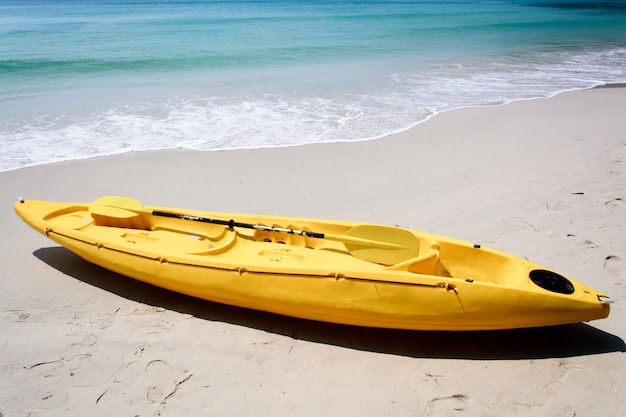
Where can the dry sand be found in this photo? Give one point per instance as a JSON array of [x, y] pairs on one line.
[[544, 179]]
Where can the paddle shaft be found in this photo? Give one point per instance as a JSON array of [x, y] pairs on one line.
[[232, 223]]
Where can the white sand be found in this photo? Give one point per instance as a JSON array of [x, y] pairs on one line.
[[544, 179]]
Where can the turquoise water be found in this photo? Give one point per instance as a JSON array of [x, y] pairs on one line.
[[82, 78]]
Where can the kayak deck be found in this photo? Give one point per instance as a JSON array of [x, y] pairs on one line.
[[199, 241]]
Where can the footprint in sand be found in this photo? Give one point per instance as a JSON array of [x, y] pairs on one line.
[[456, 402], [582, 241], [614, 265], [614, 202], [89, 339], [164, 380], [158, 373]]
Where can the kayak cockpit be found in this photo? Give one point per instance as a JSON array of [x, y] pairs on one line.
[[475, 263]]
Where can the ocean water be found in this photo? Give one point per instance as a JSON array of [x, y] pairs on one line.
[[83, 78]]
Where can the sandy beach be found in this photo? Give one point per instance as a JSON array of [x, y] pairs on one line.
[[543, 179]]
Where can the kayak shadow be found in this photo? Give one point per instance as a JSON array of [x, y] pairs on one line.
[[537, 343]]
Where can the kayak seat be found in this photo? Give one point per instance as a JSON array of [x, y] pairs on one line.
[[216, 246], [139, 222], [71, 219]]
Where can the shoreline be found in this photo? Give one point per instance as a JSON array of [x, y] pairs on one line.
[[543, 179], [375, 138]]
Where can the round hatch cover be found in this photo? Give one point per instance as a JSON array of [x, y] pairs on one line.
[[551, 281]]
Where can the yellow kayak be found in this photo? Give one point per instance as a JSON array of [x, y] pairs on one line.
[[334, 271]]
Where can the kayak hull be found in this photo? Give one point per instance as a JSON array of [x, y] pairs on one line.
[[448, 285]]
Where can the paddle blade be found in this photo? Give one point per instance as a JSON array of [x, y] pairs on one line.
[[116, 206], [402, 244]]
